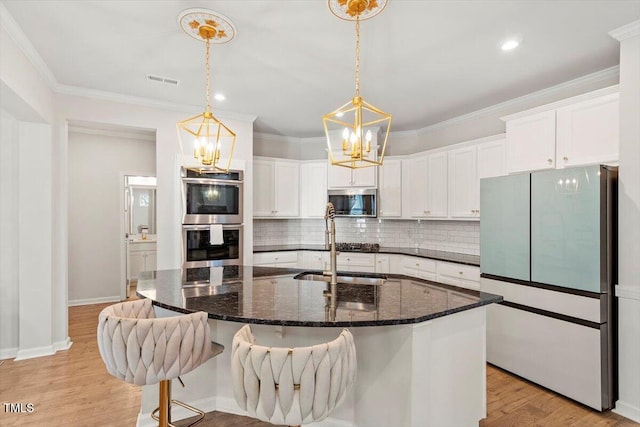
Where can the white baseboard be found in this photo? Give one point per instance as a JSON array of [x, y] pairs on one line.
[[30, 353], [88, 301], [63, 345], [627, 411], [223, 405], [8, 353]]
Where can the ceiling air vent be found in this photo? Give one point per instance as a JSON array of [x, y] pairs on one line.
[[159, 79]]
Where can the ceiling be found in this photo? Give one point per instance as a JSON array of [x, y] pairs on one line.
[[292, 61]]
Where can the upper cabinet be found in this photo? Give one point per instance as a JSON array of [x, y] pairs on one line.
[[390, 189], [313, 189], [275, 188], [467, 165], [588, 132], [579, 132], [341, 177], [428, 182]]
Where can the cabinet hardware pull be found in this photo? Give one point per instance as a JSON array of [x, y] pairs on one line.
[[460, 272], [549, 161], [565, 158]]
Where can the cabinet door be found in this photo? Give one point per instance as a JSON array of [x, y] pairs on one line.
[[382, 264], [339, 176], [588, 132], [263, 188], [492, 159], [463, 183], [287, 189], [531, 142], [418, 185], [437, 189], [150, 261], [313, 189], [391, 188], [135, 264], [365, 177]]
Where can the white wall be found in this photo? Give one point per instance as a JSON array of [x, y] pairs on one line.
[[9, 278], [96, 164], [628, 289]]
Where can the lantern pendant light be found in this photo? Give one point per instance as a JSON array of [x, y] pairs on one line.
[[347, 128], [213, 142]]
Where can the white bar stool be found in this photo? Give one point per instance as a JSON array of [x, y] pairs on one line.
[[140, 349]]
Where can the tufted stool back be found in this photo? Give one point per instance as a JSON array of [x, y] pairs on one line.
[[291, 386], [141, 349]]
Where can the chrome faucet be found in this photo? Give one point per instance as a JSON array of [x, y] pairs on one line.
[[329, 217]]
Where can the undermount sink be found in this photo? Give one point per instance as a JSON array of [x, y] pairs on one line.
[[375, 280]]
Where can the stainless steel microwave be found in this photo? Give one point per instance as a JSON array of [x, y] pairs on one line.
[[359, 202], [211, 197]]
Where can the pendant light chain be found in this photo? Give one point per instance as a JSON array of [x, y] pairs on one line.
[[208, 75], [358, 55]]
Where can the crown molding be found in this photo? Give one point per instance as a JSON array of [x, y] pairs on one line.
[[403, 133], [24, 45], [503, 107], [626, 31], [146, 102], [139, 135]]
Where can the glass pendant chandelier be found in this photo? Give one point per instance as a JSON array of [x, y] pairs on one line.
[[213, 142], [348, 128]]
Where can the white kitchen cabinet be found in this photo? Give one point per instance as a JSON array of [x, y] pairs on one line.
[[313, 189], [467, 165], [357, 262], [588, 132], [464, 197], [313, 260], [276, 259], [342, 177], [429, 188], [390, 189], [578, 131], [388, 263], [531, 142], [141, 256], [422, 268], [276, 188], [465, 276]]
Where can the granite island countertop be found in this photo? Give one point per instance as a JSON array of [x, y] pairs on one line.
[[455, 257], [269, 295]]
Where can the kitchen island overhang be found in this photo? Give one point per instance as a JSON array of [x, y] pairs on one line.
[[420, 345]]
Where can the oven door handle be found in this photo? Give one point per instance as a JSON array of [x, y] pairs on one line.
[[211, 181], [208, 226]]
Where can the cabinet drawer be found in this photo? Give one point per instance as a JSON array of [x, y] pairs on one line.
[[356, 260], [261, 258], [421, 264], [459, 271]]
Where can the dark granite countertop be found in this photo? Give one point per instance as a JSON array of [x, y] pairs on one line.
[[269, 295], [422, 253]]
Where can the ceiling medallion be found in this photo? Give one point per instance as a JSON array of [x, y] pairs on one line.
[[213, 142], [351, 10]]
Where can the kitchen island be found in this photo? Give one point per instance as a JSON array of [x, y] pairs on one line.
[[420, 344]]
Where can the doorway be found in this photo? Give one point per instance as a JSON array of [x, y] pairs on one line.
[[140, 238]]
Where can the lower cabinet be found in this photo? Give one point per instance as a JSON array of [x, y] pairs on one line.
[[141, 256], [353, 261], [313, 260], [419, 267], [465, 276], [276, 259]]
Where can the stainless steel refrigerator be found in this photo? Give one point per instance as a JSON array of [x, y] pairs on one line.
[[548, 245]]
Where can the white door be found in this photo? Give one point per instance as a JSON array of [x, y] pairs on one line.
[[437, 188], [365, 177], [531, 142], [390, 188], [492, 158], [463, 183], [339, 176], [588, 132], [418, 184], [263, 188]]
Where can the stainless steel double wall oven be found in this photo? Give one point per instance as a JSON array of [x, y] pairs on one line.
[[211, 200]]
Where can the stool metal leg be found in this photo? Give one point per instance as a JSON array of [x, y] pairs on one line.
[[162, 414]]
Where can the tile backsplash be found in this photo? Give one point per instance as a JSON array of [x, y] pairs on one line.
[[448, 236]]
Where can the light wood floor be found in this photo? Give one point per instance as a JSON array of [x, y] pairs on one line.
[[72, 388]]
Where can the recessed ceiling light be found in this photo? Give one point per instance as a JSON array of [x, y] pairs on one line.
[[510, 44], [219, 97]]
